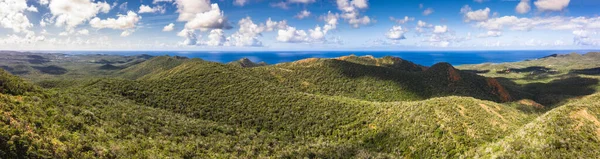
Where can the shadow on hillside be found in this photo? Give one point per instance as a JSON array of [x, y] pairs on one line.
[[591, 71], [53, 70], [476, 71], [531, 70], [110, 67], [15, 70], [439, 80], [410, 81], [554, 92], [37, 59]]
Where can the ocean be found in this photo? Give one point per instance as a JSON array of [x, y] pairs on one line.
[[426, 58]]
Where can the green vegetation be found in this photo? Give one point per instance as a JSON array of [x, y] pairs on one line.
[[350, 107]]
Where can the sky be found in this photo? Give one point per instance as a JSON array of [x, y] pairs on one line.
[[299, 25]]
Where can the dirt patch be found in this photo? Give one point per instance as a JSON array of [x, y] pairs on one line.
[[583, 115], [305, 84], [491, 111], [344, 58], [307, 61], [461, 110], [498, 90], [531, 103], [453, 74]]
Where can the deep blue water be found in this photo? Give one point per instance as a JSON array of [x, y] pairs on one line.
[[426, 58]]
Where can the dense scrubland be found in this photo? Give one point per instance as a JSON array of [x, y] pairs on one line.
[[348, 107]]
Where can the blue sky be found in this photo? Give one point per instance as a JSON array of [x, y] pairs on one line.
[[255, 25]]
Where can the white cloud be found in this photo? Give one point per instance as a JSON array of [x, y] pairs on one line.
[[440, 29], [190, 37], [148, 9], [583, 38], [126, 33], [428, 11], [240, 2], [548, 23], [83, 32], [422, 26], [71, 13], [291, 35], [162, 1], [216, 37], [351, 12], [490, 33], [248, 32], [523, 7], [551, 5], [12, 40], [43, 2], [200, 14], [12, 15], [122, 22], [315, 35], [169, 27], [303, 14], [478, 15], [403, 20], [396, 33]]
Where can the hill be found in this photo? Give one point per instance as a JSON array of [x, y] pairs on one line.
[[569, 131], [352, 107]]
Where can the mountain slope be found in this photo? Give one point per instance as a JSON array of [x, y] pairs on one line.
[[569, 131], [381, 83]]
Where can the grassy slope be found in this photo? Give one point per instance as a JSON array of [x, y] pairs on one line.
[[569, 131]]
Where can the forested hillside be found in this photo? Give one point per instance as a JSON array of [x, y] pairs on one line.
[[349, 107]]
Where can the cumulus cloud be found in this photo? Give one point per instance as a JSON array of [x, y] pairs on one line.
[[12, 15], [200, 14], [396, 33], [478, 15], [248, 32], [440, 29], [351, 12], [216, 37], [583, 38], [28, 39], [551, 5], [247, 35], [121, 23], [523, 7], [315, 35], [169, 27], [292, 35], [70, 13], [422, 26], [148, 9], [548, 23], [190, 37], [303, 14]]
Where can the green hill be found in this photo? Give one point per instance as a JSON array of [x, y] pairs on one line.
[[156, 64], [351, 107], [569, 131]]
